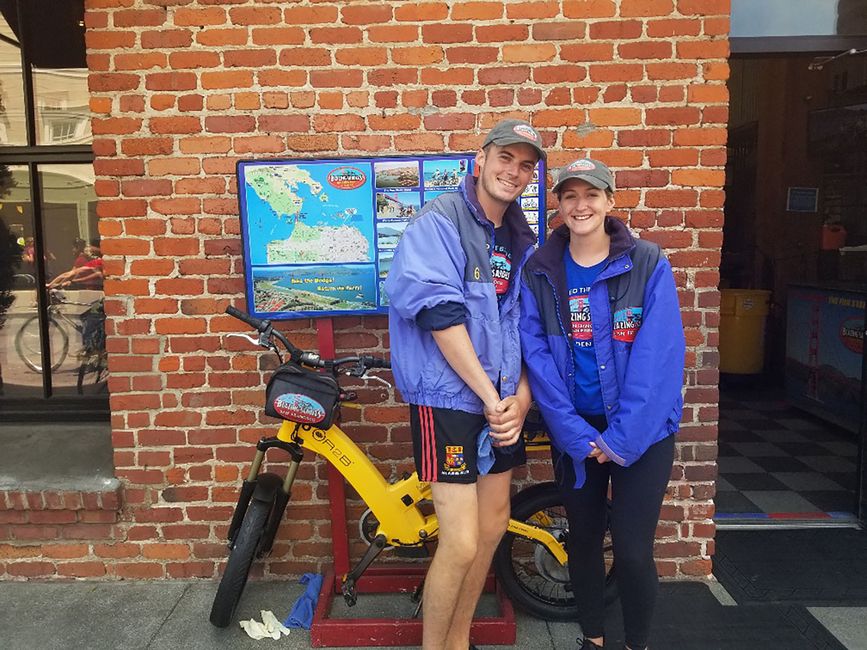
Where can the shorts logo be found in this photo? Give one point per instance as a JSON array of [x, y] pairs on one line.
[[627, 323], [525, 132], [454, 460], [582, 165]]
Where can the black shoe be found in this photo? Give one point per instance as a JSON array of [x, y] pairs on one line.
[[589, 645]]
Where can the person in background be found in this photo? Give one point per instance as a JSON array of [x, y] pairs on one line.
[[604, 348], [86, 275], [78, 255], [453, 296]]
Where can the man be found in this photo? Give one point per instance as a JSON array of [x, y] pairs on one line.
[[453, 322]]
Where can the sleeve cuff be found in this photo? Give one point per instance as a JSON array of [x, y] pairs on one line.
[[441, 316], [600, 442]]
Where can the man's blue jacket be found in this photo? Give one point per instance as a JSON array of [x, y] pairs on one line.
[[637, 336], [441, 276]]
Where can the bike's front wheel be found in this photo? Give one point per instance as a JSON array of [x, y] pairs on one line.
[[234, 580], [29, 346], [531, 576]]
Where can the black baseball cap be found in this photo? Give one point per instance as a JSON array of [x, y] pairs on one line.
[[594, 172], [514, 132]]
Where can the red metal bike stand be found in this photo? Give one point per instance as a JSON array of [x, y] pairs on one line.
[[366, 632]]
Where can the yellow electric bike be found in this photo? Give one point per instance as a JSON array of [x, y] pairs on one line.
[[531, 561]]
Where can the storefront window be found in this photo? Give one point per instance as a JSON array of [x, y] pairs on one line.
[[52, 334]]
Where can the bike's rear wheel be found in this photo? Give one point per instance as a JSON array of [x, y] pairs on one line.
[[29, 347], [234, 580], [528, 572]]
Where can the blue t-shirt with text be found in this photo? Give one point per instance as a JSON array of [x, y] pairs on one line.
[[587, 396]]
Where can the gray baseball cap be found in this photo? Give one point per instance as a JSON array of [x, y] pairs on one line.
[[509, 132], [594, 172]]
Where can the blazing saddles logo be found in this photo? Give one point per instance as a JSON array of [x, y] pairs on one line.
[[626, 324], [299, 408]]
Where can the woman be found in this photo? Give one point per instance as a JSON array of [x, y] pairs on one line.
[[604, 347]]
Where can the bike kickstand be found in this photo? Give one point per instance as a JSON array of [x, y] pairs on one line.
[[348, 588]]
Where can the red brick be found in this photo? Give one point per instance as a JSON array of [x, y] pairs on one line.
[[473, 54], [139, 18], [668, 28], [499, 33], [704, 7], [511, 75], [138, 570], [451, 33], [616, 30], [616, 72], [632, 8], [367, 14], [559, 31], [30, 569], [168, 38], [589, 8], [81, 569], [422, 11]]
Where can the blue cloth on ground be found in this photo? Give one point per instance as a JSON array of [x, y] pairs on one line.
[[485, 451], [302, 611]]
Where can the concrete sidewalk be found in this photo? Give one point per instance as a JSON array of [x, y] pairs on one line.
[[133, 615]]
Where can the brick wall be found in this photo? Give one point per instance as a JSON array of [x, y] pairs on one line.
[[182, 89]]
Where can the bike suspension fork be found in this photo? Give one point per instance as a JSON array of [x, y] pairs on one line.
[[252, 482], [281, 500]]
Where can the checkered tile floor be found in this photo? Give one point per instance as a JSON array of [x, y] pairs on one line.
[[780, 463]]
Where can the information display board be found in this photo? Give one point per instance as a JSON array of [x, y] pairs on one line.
[[319, 235]]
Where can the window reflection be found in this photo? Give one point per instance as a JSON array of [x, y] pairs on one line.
[[753, 18], [12, 118], [18, 289], [75, 279], [62, 111]]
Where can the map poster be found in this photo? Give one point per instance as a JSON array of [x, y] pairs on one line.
[[319, 235]]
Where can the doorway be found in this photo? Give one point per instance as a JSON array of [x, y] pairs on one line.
[[791, 430]]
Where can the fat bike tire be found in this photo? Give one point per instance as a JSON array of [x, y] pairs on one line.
[[241, 557], [530, 575]]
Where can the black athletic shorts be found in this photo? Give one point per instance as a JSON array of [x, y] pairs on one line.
[[445, 445]]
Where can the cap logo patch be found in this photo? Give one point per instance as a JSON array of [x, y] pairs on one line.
[[581, 165], [525, 132]]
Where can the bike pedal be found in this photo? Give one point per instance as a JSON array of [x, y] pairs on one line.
[[411, 551], [350, 595]]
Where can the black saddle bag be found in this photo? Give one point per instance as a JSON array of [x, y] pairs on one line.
[[297, 394]]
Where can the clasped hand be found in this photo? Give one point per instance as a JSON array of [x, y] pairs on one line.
[[598, 454], [506, 420]]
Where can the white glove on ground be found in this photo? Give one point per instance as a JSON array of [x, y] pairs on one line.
[[269, 628]]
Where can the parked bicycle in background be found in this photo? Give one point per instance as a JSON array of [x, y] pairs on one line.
[[65, 317]]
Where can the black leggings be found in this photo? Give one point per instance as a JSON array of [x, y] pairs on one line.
[[636, 498]]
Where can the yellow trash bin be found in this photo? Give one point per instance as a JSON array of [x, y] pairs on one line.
[[742, 330]]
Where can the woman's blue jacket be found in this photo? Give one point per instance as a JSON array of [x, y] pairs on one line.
[[637, 336]]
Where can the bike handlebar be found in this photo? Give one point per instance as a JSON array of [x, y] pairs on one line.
[[312, 359]]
